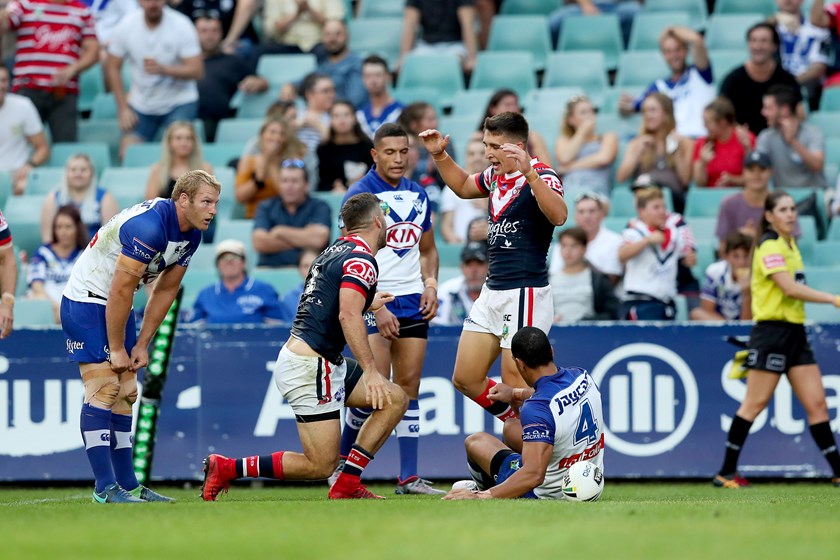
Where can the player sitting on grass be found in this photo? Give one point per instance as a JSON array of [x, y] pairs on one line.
[[560, 425]]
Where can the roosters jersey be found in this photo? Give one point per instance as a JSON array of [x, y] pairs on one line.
[[564, 412], [653, 272], [408, 215], [347, 263], [147, 232], [518, 233], [5, 233]]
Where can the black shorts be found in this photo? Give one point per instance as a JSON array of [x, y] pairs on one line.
[[777, 346]]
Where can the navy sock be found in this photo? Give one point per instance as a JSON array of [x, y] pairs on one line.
[[354, 419], [95, 424], [738, 433], [122, 447], [357, 460], [408, 436], [824, 439]]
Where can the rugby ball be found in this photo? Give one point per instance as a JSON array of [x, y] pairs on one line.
[[469, 485], [583, 482]]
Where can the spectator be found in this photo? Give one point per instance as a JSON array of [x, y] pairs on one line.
[[258, 176], [56, 41], [718, 157], [653, 245], [478, 230], [162, 49], [825, 17], [78, 189], [224, 75], [107, 15], [296, 25], [380, 108], [236, 297], [20, 128], [8, 279], [448, 26], [805, 48], [584, 157], [689, 86], [725, 294], [746, 85], [581, 292], [287, 224], [280, 109], [659, 150], [180, 152], [345, 156], [313, 126], [626, 10], [602, 244], [50, 266], [239, 34], [504, 100], [456, 296], [741, 212], [796, 149], [416, 118], [457, 213], [289, 301]]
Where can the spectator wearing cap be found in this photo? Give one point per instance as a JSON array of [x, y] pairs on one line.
[[236, 297], [742, 211], [580, 291], [796, 149], [289, 301], [287, 224], [601, 243], [456, 296]]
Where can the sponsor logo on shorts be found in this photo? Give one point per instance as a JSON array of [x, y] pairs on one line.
[[505, 332], [776, 362], [74, 345], [338, 396]]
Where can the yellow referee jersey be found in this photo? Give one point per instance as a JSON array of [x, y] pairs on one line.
[[769, 303]]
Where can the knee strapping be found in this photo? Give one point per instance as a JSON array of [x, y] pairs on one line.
[[104, 390], [127, 396]]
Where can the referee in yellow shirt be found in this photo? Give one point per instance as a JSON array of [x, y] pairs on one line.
[[778, 343]]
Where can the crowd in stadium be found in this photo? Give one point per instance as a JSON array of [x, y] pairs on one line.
[[673, 116]]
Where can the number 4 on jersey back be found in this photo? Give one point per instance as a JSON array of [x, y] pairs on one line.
[[587, 427]]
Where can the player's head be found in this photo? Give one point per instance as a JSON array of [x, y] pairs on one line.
[[650, 206], [364, 212], [531, 350], [196, 195], [501, 129], [390, 152]]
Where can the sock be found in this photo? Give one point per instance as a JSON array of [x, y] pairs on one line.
[[738, 433], [483, 479], [825, 441], [354, 418], [95, 424], [266, 466], [122, 443], [357, 460], [500, 410], [408, 436]]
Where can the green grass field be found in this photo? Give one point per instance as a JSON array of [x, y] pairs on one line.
[[631, 521]]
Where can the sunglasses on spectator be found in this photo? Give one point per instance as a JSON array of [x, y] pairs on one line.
[[599, 198], [208, 14], [296, 163]]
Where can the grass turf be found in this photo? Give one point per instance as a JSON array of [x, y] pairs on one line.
[[631, 521]]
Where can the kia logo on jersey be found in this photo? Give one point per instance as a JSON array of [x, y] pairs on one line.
[[403, 235]]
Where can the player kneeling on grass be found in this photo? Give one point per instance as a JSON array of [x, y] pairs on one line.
[[560, 424], [317, 380]]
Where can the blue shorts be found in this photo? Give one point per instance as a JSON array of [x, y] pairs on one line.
[[504, 464], [407, 310], [87, 336], [148, 126]]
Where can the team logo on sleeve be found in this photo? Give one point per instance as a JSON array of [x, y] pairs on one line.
[[361, 270]]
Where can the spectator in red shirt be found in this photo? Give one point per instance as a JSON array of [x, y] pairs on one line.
[[827, 18], [718, 159], [56, 41]]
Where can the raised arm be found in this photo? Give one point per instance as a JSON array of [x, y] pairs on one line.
[[456, 178]]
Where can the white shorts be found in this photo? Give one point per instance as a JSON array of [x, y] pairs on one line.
[[503, 312], [310, 384]]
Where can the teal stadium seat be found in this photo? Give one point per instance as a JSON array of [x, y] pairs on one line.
[[511, 69], [91, 82], [440, 72], [826, 253], [583, 69], [623, 205], [219, 154], [142, 154], [126, 184], [527, 7], [704, 202], [830, 100], [808, 239], [24, 213], [640, 68], [450, 254], [33, 313], [820, 312], [829, 123], [334, 201], [381, 9], [204, 257], [409, 95], [730, 31], [254, 106], [240, 230], [380, 36], [521, 33], [612, 96], [194, 281], [42, 180], [471, 103], [238, 130], [823, 278], [617, 224], [281, 69], [705, 256], [702, 228], [281, 279], [104, 107], [546, 121], [107, 131], [697, 10], [549, 99], [763, 7], [5, 187], [448, 273], [227, 198], [647, 27], [725, 61], [97, 151], [625, 127], [832, 149], [588, 33]]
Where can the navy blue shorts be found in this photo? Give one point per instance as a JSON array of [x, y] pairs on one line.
[[407, 311], [504, 464], [87, 336]]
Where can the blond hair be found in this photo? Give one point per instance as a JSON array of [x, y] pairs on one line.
[[669, 124], [194, 161], [645, 195], [292, 147], [573, 101], [191, 181]]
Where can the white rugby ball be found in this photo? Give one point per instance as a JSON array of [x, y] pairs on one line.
[[583, 482], [466, 485]]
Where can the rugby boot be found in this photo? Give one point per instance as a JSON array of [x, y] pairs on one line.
[[416, 485], [148, 495], [733, 481], [218, 472], [114, 494]]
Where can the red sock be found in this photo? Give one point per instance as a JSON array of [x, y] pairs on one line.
[[500, 410], [255, 466]]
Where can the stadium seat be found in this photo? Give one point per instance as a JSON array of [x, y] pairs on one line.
[[820, 312], [626, 128], [640, 68], [220, 154], [227, 198], [583, 69], [823, 278], [511, 69], [702, 228], [830, 100], [829, 123], [704, 202], [22, 283], [450, 254], [448, 273], [617, 224], [237, 229], [725, 61], [647, 27], [546, 121], [623, 205], [204, 257], [440, 72], [410, 95], [380, 36], [381, 9], [254, 106], [832, 149], [91, 82], [24, 213], [697, 10], [126, 184], [42, 180], [5, 187], [238, 130], [826, 253], [281, 69], [521, 33], [681, 305], [808, 239], [194, 281], [97, 151], [609, 107], [587, 33], [525, 7], [142, 154], [104, 107], [459, 129], [730, 31], [334, 201], [762, 7], [281, 279], [471, 103], [549, 99], [705, 249], [107, 131], [34, 313]]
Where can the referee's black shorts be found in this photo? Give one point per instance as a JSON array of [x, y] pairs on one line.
[[777, 346]]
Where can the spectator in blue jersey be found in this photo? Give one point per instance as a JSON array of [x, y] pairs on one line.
[[79, 188], [236, 297], [287, 224], [381, 107], [689, 86], [289, 301], [725, 294], [50, 266], [8, 279]]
